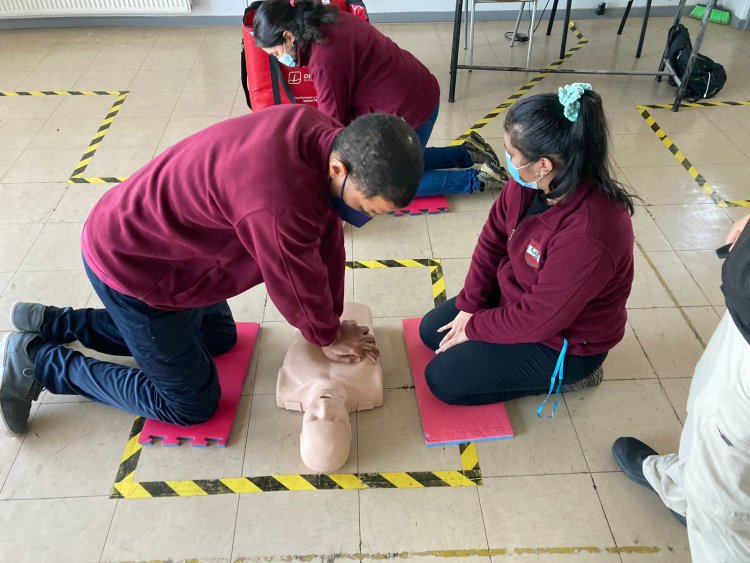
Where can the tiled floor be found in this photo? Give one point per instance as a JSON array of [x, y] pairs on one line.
[[551, 494]]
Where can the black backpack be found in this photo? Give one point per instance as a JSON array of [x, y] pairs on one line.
[[706, 79]]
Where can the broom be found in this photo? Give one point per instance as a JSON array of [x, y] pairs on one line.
[[718, 15]]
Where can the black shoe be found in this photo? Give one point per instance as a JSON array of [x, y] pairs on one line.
[[630, 453], [18, 387], [27, 316]]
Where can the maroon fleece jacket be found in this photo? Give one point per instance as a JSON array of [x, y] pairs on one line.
[[358, 70], [243, 202], [566, 272]]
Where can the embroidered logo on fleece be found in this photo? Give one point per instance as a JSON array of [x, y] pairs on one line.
[[533, 253]]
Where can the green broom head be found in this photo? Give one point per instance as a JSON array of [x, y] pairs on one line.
[[718, 15]]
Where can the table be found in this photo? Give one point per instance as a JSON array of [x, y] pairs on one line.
[[457, 16], [454, 66]]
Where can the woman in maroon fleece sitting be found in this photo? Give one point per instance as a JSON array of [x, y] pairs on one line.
[[546, 291], [357, 70]]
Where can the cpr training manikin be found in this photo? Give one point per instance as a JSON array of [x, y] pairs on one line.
[[327, 392]]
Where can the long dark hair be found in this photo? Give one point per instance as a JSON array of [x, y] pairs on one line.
[[579, 150], [301, 17]]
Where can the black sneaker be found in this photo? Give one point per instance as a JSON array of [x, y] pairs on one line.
[[18, 387], [629, 454], [26, 316], [480, 150]]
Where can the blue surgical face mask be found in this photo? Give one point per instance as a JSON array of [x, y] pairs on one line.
[[347, 213], [514, 172], [287, 59]]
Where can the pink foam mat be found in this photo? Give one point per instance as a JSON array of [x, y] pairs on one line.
[[445, 424], [232, 368], [421, 205]]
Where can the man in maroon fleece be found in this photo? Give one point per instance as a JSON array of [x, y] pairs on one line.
[[256, 199]]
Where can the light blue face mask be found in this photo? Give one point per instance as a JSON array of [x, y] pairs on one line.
[[287, 59], [514, 172]]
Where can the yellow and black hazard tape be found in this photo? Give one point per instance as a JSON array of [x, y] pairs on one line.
[[470, 474], [704, 184], [77, 176], [126, 486], [435, 266], [523, 90], [61, 93], [706, 104]]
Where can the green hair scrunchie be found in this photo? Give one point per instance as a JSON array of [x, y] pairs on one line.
[[569, 96]]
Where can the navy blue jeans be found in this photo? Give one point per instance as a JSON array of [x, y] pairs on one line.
[[438, 180], [177, 381]]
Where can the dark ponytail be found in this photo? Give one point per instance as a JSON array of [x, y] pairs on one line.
[[302, 17], [579, 150]]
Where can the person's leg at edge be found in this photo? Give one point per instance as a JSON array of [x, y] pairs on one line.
[[436, 180], [705, 481], [177, 382], [478, 373]]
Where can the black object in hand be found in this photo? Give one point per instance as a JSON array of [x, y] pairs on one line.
[[723, 251]]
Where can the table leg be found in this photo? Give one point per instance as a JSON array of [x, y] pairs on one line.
[[454, 49], [552, 16], [565, 28], [625, 17], [643, 29]]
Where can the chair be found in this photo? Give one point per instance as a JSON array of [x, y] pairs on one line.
[[470, 25]]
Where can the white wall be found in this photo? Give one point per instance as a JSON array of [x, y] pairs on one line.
[[740, 8], [224, 7]]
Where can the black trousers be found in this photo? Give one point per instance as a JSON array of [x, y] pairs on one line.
[[480, 373]]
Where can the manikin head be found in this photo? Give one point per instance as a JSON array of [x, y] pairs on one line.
[[326, 433]]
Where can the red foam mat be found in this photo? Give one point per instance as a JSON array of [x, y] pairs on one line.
[[445, 424], [420, 205], [232, 368]]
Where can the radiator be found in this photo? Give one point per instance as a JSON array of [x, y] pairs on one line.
[[28, 8]]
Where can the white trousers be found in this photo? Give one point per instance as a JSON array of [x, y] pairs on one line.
[[709, 480]]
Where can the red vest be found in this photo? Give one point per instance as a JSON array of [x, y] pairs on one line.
[[266, 82]]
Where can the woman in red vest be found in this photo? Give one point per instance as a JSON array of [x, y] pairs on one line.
[[358, 70]]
